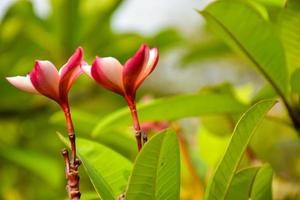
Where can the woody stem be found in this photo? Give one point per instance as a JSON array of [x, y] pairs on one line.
[[72, 164]]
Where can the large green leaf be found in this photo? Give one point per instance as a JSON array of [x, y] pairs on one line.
[[248, 32], [241, 185], [223, 176], [171, 108], [156, 172], [262, 187], [108, 170]]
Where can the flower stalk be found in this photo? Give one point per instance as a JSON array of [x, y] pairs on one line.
[[141, 138], [72, 174]]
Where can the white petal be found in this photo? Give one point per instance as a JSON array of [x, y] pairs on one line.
[[112, 69], [149, 66], [152, 59], [87, 69], [22, 83]]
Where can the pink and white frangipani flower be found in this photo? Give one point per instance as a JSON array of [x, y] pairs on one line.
[[46, 80], [125, 79]]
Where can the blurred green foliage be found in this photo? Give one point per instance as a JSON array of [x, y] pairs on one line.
[[31, 166]]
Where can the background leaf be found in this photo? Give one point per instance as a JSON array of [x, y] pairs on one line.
[[222, 178], [262, 187], [253, 37], [156, 172], [242, 184], [171, 108]]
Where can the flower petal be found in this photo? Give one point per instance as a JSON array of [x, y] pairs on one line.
[[22, 83], [70, 72], [133, 67], [108, 72], [87, 69], [45, 79], [149, 67]]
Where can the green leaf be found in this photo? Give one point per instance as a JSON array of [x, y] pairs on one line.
[[171, 108], [108, 170], [289, 28], [246, 31], [262, 187], [245, 128], [295, 81], [36, 163], [242, 184], [156, 172], [121, 141]]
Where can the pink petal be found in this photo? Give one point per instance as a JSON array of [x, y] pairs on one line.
[[22, 83], [108, 73], [133, 67], [149, 67], [70, 72], [45, 79]]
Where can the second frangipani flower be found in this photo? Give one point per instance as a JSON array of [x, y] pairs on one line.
[[125, 79]]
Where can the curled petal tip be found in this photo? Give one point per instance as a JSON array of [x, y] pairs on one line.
[[143, 46], [79, 50]]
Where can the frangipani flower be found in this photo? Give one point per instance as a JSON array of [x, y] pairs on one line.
[[125, 79], [45, 80]]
